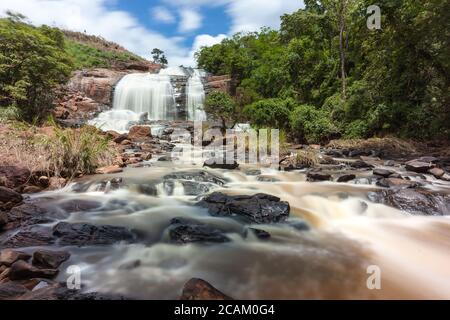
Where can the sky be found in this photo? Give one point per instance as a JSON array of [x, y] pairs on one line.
[[178, 27]]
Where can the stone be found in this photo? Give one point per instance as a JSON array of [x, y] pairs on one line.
[[346, 178], [220, 164], [56, 183], [13, 176], [83, 234], [418, 166], [120, 138], [182, 231], [11, 290], [21, 270], [44, 181], [9, 195], [109, 170], [389, 163], [397, 183], [31, 189], [30, 236], [198, 289], [49, 259], [26, 214], [382, 172], [199, 176], [437, 172], [258, 208], [139, 132], [9, 256], [260, 234], [318, 176], [417, 202], [359, 164], [3, 220]]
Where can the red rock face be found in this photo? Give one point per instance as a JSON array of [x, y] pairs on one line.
[[218, 83]]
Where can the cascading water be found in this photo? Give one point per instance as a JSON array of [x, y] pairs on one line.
[[195, 97], [151, 93]]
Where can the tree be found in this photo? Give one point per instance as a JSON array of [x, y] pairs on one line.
[[221, 106], [159, 56], [33, 62]]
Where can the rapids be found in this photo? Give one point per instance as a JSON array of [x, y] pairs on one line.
[[347, 234]]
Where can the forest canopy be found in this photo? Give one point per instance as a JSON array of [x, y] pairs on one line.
[[327, 66]]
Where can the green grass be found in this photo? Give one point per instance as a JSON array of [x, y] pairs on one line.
[[86, 56]]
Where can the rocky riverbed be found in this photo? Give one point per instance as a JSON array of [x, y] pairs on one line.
[[141, 228]]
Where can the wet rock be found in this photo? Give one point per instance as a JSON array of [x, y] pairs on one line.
[[264, 178], [418, 202], [382, 172], [258, 208], [82, 234], [389, 163], [130, 265], [49, 259], [260, 234], [11, 290], [200, 176], [437, 172], [9, 195], [220, 164], [428, 159], [3, 220], [139, 132], [109, 169], [318, 176], [346, 178], [359, 164], [418, 166], [26, 214], [198, 289], [299, 225], [397, 183], [78, 205], [167, 158], [9, 256], [21, 270], [182, 231], [253, 172], [325, 159], [120, 138], [190, 188], [30, 236], [148, 189]]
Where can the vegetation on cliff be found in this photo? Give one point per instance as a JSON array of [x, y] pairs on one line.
[[337, 77]]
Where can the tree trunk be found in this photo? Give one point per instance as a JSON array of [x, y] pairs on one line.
[[342, 50]]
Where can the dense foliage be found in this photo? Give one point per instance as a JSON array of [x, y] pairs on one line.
[[221, 106], [33, 62], [340, 77]]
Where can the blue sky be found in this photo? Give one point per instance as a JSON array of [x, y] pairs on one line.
[[179, 27]]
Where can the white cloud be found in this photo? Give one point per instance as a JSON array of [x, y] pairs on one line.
[[163, 15], [191, 20]]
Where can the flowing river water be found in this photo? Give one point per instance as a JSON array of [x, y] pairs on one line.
[[347, 234]]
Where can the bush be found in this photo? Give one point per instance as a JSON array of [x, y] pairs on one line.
[[221, 106], [356, 129], [311, 125], [272, 113]]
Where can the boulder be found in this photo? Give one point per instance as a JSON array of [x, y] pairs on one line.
[[49, 259], [437, 172], [258, 208], [3, 220], [397, 183], [417, 202], [199, 176], [32, 189], [183, 231], [56, 183], [83, 234], [9, 256], [216, 163], [260, 234], [382, 172], [9, 196], [198, 289], [21, 270], [139, 132], [30, 236], [13, 177], [346, 178], [26, 214], [11, 290], [109, 170], [389, 163], [120, 138], [359, 164], [318, 176], [418, 166]]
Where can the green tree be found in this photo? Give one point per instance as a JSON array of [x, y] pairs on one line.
[[159, 56], [33, 63], [221, 106]]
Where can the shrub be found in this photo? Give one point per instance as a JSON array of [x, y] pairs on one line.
[[221, 106], [311, 125], [270, 113]]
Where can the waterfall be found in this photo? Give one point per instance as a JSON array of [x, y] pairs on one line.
[[195, 97], [144, 92]]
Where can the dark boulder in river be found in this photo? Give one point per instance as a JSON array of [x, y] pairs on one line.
[[258, 208], [198, 289], [220, 164], [183, 231]]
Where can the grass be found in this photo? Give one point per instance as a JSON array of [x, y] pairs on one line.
[[307, 158], [389, 144], [88, 56], [54, 151]]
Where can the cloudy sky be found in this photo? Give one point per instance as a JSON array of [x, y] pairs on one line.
[[179, 27]]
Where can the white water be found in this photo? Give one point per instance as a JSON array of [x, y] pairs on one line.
[[116, 120], [195, 97], [144, 92]]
